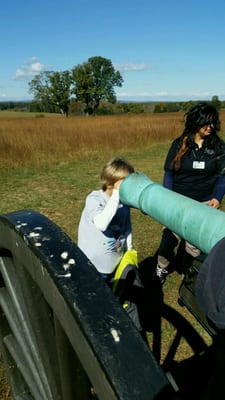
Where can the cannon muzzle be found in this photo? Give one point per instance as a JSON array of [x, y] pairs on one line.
[[199, 224]]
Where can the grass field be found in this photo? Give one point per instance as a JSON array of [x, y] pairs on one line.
[[50, 164], [25, 114]]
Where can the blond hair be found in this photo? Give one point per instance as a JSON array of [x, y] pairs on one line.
[[114, 170]]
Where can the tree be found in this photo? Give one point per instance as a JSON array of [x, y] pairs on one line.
[[160, 108], [53, 89], [216, 102], [94, 81]]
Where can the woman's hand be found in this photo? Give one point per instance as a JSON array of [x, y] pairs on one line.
[[213, 203]]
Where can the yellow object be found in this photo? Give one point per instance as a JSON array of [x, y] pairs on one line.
[[129, 258]]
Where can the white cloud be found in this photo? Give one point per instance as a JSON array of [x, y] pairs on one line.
[[165, 96], [132, 67], [31, 67]]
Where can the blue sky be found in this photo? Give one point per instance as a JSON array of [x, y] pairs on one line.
[[165, 50]]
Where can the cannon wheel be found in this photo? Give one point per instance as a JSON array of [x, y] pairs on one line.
[[179, 330], [169, 333], [57, 335]]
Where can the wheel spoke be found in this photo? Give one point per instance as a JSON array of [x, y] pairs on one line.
[[179, 329], [168, 360], [21, 342]]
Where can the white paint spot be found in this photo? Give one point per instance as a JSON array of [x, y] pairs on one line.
[[38, 244], [19, 224], [71, 261], [64, 255], [66, 266], [115, 334], [34, 235], [65, 276], [46, 238]]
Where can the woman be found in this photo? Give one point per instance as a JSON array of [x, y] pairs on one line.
[[194, 167]]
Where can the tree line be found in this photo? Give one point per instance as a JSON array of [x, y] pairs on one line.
[[105, 108], [89, 88]]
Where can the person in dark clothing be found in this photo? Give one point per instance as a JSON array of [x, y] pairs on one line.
[[194, 167], [201, 376], [210, 295]]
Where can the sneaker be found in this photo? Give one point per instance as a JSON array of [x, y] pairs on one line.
[[161, 273]]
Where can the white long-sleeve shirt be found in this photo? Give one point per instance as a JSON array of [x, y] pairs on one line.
[[104, 232]]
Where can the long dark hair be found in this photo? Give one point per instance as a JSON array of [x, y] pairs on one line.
[[198, 116]]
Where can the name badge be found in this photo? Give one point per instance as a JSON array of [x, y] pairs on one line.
[[199, 164]]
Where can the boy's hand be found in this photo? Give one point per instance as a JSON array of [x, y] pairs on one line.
[[117, 184]]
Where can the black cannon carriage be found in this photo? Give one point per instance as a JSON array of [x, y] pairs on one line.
[[58, 339], [62, 330]]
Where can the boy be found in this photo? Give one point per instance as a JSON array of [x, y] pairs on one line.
[[105, 234]]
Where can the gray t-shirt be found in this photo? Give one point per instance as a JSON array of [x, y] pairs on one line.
[[104, 232]]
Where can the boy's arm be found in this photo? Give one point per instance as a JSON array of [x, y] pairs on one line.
[[103, 219]]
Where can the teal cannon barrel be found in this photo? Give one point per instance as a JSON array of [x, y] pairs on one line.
[[199, 224]]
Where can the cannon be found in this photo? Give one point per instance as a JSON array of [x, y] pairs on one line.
[[195, 222], [63, 334]]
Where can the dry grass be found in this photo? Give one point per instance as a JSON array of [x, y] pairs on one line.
[[34, 142], [26, 142]]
